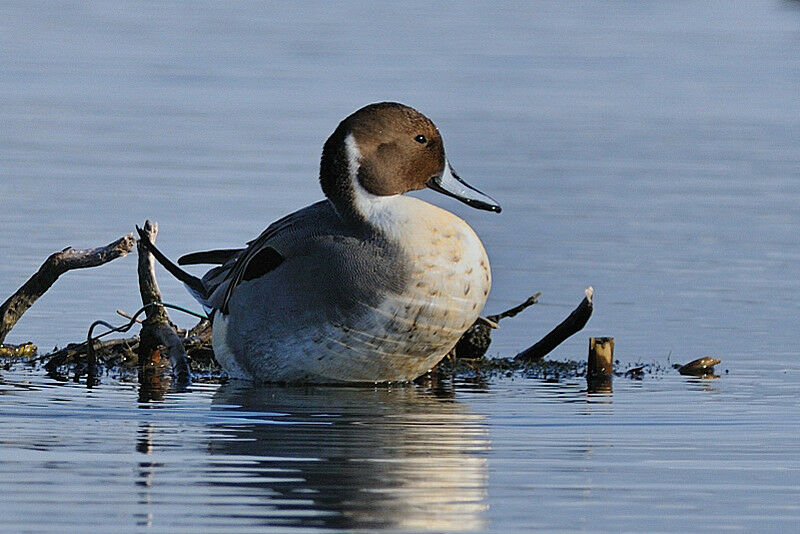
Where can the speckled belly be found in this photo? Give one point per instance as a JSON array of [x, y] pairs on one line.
[[448, 288]]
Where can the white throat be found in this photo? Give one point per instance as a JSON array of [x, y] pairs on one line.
[[387, 213]]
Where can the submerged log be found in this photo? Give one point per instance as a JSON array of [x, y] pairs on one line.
[[157, 330], [569, 326], [75, 351], [124, 351], [57, 264]]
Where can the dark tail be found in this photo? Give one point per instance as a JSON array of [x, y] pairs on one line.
[[194, 284], [214, 257]]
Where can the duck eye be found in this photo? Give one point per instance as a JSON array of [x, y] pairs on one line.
[[421, 139]]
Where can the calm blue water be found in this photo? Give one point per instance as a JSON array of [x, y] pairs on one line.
[[644, 148]]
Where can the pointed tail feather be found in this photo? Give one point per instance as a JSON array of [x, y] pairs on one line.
[[214, 257], [193, 283]]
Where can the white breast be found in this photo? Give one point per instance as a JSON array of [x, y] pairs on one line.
[[448, 286], [450, 278]]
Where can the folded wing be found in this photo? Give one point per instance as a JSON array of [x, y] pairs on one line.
[[281, 240]]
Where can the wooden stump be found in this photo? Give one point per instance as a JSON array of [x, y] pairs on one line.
[[600, 366], [601, 356], [157, 331]]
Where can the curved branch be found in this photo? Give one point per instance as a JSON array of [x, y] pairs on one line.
[[56, 265]]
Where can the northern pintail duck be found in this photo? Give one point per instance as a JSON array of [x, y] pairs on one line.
[[368, 285]]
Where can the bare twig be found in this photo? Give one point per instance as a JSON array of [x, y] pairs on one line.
[[572, 324], [201, 331], [127, 315], [56, 265], [196, 342], [511, 312]]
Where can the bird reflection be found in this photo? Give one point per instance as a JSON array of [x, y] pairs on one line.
[[339, 457]]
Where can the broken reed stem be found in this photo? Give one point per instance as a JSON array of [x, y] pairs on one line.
[[148, 286], [569, 326], [57, 264], [156, 328]]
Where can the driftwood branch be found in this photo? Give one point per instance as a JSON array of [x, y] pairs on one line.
[[572, 324], [156, 329], [56, 265]]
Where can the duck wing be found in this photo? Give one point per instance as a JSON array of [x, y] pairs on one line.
[[282, 239]]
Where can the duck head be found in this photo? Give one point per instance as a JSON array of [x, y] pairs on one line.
[[388, 149]]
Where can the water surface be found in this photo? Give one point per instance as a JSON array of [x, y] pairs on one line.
[[658, 455]]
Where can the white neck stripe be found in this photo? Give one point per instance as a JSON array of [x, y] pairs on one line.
[[376, 210]]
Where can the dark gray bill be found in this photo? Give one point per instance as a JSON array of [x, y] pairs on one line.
[[451, 185]]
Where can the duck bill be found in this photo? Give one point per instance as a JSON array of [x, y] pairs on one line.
[[451, 185]]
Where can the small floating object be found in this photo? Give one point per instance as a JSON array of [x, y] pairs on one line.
[[700, 367], [635, 372]]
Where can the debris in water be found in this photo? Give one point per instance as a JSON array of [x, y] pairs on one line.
[[637, 373], [25, 351], [699, 367]]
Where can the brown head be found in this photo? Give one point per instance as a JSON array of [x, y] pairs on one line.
[[389, 149]]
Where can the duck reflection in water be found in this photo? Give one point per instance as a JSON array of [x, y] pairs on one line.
[[355, 457]]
